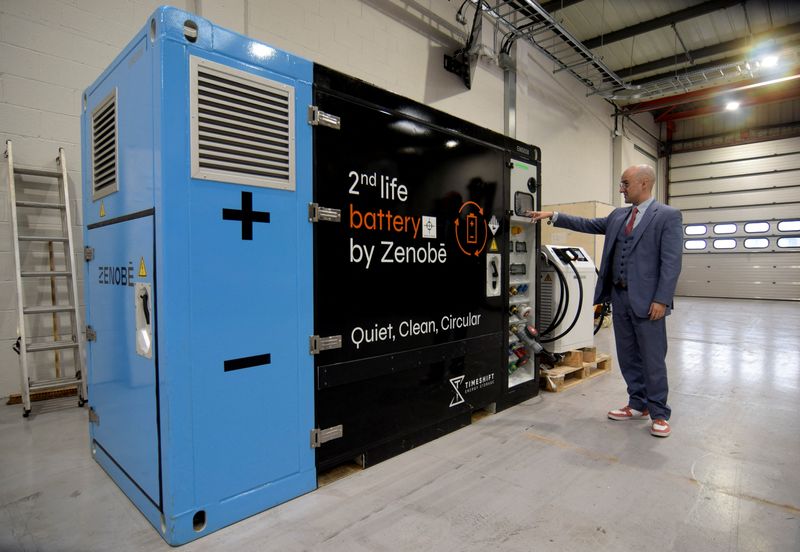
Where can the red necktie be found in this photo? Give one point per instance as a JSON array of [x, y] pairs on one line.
[[629, 227]]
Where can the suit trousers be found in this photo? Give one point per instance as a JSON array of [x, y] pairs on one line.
[[641, 351]]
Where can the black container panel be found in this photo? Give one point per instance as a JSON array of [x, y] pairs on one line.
[[381, 283], [403, 277]]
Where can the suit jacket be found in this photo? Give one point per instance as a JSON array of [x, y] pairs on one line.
[[654, 261]]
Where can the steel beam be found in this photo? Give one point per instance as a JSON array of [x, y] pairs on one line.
[[721, 48], [782, 94], [659, 22], [703, 94], [555, 5]]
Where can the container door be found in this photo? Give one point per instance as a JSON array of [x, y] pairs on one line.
[[250, 287], [123, 383]]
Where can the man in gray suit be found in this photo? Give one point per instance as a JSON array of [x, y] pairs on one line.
[[638, 272]]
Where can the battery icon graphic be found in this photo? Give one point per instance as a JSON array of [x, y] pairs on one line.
[[472, 228]]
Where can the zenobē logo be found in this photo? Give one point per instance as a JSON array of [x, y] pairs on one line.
[[459, 398]]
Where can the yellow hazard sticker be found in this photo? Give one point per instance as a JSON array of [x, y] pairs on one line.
[[142, 268], [102, 209], [548, 278], [493, 245]]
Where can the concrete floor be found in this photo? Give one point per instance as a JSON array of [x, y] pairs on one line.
[[550, 474]]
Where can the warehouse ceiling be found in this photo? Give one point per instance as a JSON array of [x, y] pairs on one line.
[[675, 58]]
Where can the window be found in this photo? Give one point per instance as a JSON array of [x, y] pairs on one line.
[[756, 243], [789, 226], [763, 236], [696, 229], [695, 244], [756, 227], [725, 244], [724, 229]]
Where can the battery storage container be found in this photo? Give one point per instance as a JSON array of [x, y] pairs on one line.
[[286, 269]]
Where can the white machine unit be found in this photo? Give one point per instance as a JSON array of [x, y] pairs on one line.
[[564, 300]]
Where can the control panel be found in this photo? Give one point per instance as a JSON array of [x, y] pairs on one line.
[[522, 333]]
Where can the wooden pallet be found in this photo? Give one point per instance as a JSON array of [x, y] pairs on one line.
[[336, 473], [576, 366], [70, 391]]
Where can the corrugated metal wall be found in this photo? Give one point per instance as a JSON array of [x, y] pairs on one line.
[[741, 215]]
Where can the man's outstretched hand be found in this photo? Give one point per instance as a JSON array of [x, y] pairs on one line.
[[539, 215]]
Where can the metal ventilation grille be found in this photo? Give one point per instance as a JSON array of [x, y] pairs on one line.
[[104, 147], [546, 302], [242, 127]]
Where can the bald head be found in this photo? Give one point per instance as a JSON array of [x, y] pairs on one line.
[[637, 183], [646, 174]]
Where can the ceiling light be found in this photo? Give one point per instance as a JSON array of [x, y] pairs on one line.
[[732, 106], [769, 61], [451, 143]]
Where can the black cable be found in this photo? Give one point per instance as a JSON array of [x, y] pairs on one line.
[[578, 310], [503, 43], [458, 13], [563, 302], [507, 42], [476, 23], [563, 299], [605, 307]]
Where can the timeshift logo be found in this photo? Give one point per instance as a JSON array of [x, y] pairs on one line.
[[459, 398]]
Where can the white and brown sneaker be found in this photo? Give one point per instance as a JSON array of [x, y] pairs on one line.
[[660, 428], [628, 413]]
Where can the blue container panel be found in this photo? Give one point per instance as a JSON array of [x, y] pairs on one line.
[[131, 79], [245, 365], [122, 383], [231, 382]]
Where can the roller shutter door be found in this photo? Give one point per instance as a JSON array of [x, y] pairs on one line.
[[741, 218]]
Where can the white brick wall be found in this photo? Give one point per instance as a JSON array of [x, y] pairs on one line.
[[50, 50]]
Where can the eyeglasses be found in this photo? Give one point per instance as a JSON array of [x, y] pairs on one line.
[[624, 184]]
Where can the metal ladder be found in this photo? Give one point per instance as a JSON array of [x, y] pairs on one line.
[[43, 178]]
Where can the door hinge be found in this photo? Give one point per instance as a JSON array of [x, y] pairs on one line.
[[91, 335], [320, 118], [94, 417], [317, 344], [319, 436], [324, 214], [88, 253]]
